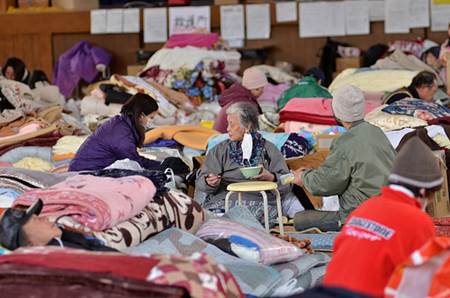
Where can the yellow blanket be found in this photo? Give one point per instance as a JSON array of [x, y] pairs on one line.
[[192, 136]]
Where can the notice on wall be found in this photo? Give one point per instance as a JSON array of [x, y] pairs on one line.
[[155, 25], [286, 11], [419, 12], [114, 20], [397, 16], [357, 17], [189, 19], [322, 19], [98, 21], [131, 20], [258, 21], [232, 22], [440, 17], [376, 10]]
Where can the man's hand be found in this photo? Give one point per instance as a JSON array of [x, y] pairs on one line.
[[298, 176]]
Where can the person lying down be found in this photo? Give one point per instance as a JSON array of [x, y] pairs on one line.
[[20, 228]]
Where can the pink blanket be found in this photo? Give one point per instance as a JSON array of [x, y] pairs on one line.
[[96, 202], [314, 110], [200, 40]]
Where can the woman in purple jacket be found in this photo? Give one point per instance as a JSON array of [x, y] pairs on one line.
[[119, 137]]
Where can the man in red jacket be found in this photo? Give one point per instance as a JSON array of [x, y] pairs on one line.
[[383, 231]]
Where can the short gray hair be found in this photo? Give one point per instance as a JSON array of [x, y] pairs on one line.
[[248, 115]]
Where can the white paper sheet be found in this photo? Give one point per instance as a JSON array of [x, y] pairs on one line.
[[155, 25], [258, 21], [232, 22], [419, 11], [322, 19], [131, 20], [440, 17], [98, 21], [376, 10], [286, 12], [114, 20], [397, 16], [357, 17], [189, 19]]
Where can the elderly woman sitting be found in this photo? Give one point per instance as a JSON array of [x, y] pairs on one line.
[[223, 163]]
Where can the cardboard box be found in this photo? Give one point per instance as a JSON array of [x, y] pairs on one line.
[[134, 69], [440, 206], [344, 63], [76, 4], [32, 3], [325, 140]]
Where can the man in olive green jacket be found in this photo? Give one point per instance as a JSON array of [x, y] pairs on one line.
[[358, 164]]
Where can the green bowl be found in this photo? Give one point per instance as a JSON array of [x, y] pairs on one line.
[[250, 172]]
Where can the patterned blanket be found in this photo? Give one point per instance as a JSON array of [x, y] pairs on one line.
[[254, 279], [170, 209]]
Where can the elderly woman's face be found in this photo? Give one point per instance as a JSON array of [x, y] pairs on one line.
[[235, 131]]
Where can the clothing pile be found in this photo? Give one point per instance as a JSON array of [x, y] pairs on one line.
[[199, 72], [31, 121]]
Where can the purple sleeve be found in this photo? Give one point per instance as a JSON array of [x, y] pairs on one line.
[[126, 148]]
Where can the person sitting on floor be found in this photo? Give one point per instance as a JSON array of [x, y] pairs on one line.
[[358, 164], [15, 69], [423, 86], [309, 86], [118, 138], [21, 228], [252, 87], [222, 164], [385, 230]]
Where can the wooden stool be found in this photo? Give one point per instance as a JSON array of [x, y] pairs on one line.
[[261, 187]]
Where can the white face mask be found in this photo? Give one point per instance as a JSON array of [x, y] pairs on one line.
[[149, 125], [247, 147]]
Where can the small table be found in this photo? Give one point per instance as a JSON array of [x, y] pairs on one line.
[[261, 187]]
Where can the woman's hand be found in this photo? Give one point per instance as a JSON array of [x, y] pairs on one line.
[[213, 180], [265, 175]]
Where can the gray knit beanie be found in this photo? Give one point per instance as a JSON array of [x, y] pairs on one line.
[[416, 165], [348, 104]]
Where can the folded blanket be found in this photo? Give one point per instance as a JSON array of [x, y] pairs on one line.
[[34, 163], [67, 147], [369, 80], [28, 136], [95, 105], [193, 136], [199, 275], [200, 40], [314, 110], [417, 108], [96, 202], [17, 154], [170, 209], [399, 60], [388, 122], [23, 180], [158, 178]]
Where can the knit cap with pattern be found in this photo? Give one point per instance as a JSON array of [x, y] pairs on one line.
[[417, 166]]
